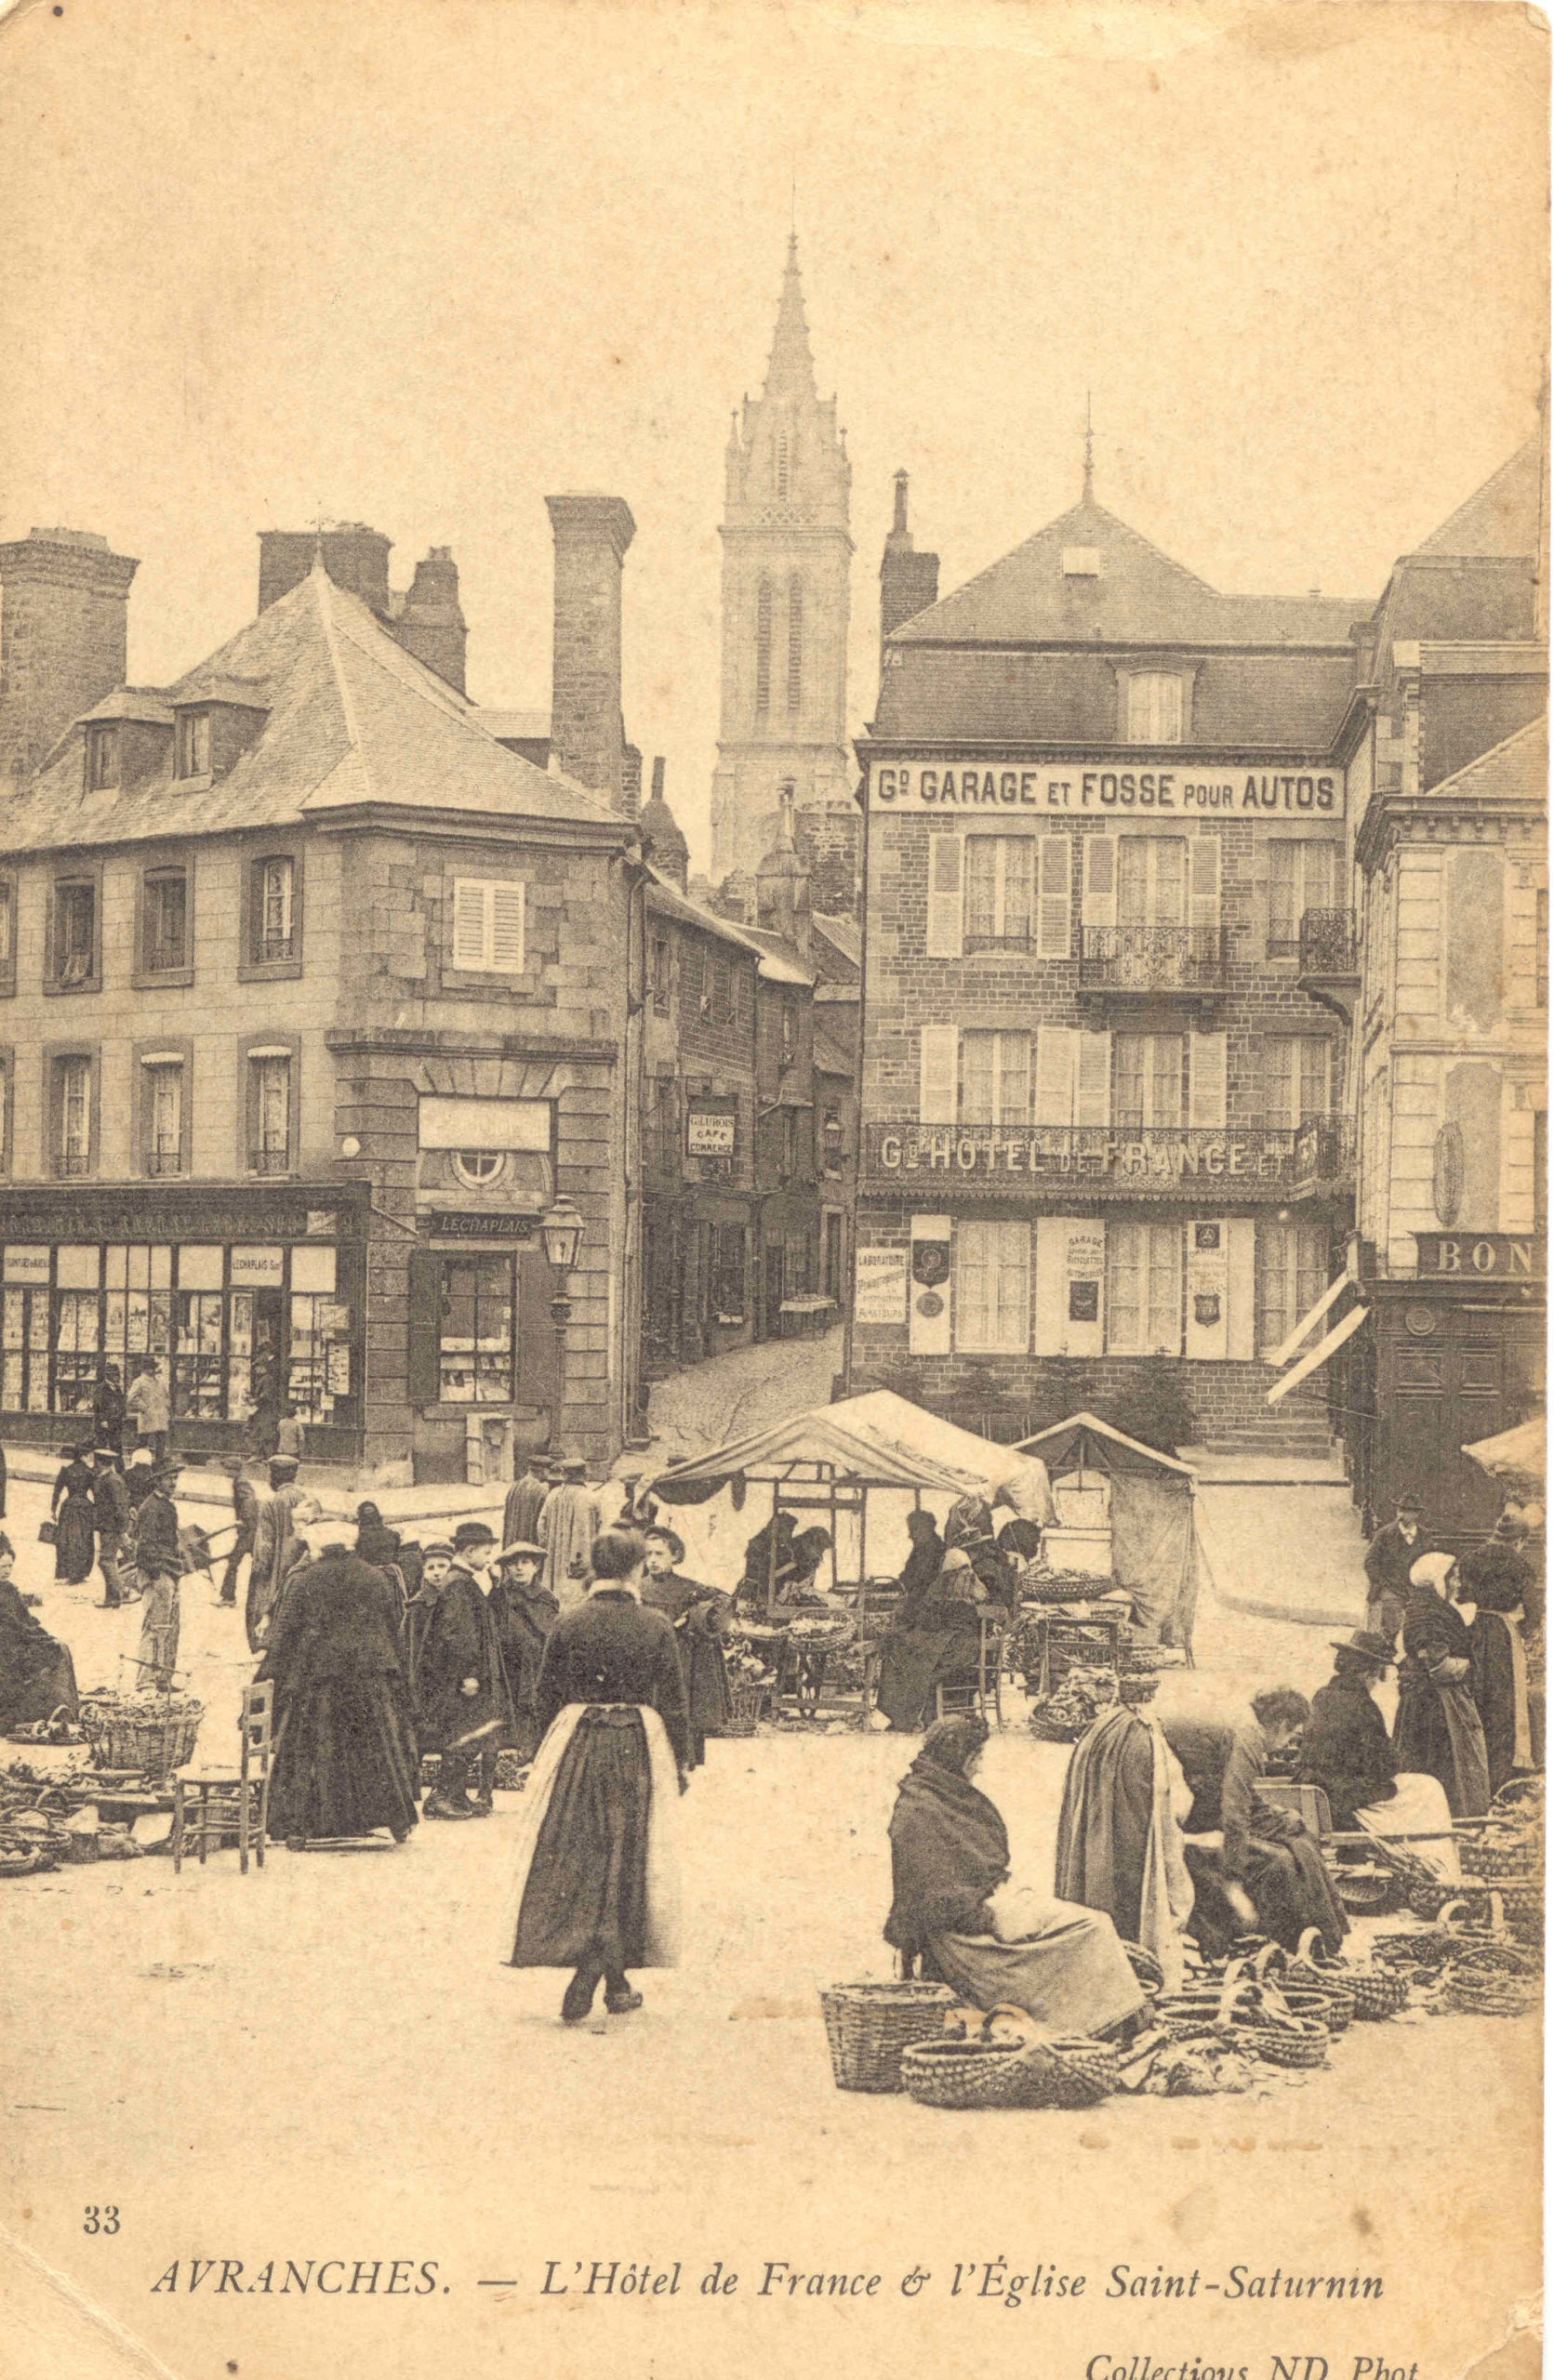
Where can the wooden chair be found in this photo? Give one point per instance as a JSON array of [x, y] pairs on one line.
[[207, 1809], [1308, 1802], [992, 1633], [1084, 1644]]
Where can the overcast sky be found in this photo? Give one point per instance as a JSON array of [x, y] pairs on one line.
[[422, 262]]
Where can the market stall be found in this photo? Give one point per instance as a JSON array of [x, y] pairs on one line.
[[1150, 1507], [1516, 1458]]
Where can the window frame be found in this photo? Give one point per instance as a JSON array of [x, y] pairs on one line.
[[146, 977], [989, 1343], [255, 856], [1131, 681], [251, 1052], [1152, 1233], [102, 762], [191, 743], [56, 1055], [1287, 946], [488, 885], [175, 1051], [659, 974], [476, 1258], [86, 875]]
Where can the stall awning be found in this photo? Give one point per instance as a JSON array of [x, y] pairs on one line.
[[1517, 1457], [816, 1444], [1319, 1354], [1084, 1442]]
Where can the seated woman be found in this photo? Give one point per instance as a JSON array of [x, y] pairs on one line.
[[970, 1527], [936, 1646], [921, 1569], [1438, 1731], [1120, 1836], [949, 1855], [1346, 1750], [1255, 1869], [37, 1676]]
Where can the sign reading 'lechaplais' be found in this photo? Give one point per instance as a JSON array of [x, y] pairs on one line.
[[979, 787]]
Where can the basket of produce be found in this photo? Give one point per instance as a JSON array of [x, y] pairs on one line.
[[1135, 1659], [1201, 2067], [869, 2025], [1508, 1852], [1366, 1889], [153, 1733], [1065, 1586], [961, 2075], [819, 1633], [1310, 1969], [21, 1858], [1137, 1688], [1063, 1716], [1426, 1950]]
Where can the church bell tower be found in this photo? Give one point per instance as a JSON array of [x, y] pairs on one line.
[[786, 556]]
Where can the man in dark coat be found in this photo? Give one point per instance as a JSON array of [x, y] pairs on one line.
[[1345, 1749], [460, 1692], [700, 1618], [1502, 1585], [524, 1611], [159, 1559], [611, 1686], [345, 1745], [108, 1410], [1438, 1731], [37, 1676], [245, 1513], [111, 1503], [1389, 1559]]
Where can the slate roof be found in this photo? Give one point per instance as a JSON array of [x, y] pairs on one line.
[[844, 935], [780, 962], [831, 1058], [352, 718], [665, 900], [1514, 771], [1502, 517]]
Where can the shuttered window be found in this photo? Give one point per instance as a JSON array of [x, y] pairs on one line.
[[1151, 880], [1154, 707], [993, 1288], [1074, 1076], [1292, 1275], [945, 876], [938, 1055], [995, 1078], [1000, 874], [1147, 1080], [488, 925], [1144, 1288], [763, 646], [1296, 1087]]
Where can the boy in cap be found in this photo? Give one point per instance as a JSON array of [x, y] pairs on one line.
[[460, 1694], [111, 1504], [1390, 1557], [524, 1612]]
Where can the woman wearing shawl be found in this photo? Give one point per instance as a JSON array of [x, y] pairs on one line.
[[1438, 1731], [949, 1857], [699, 1617], [524, 1611], [1118, 1840], [921, 1569], [937, 1646], [74, 1517], [1501, 1584], [970, 1528], [37, 1676], [345, 1740]]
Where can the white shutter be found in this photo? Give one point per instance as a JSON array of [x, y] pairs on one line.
[[944, 854], [1053, 905], [938, 1050], [1101, 880], [1203, 882], [507, 928], [1093, 1080], [1210, 1081], [469, 921], [1242, 1294], [1011, 1287], [1052, 1284], [1056, 1058]]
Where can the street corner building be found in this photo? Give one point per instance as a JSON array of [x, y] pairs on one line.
[[316, 998], [1110, 1090]]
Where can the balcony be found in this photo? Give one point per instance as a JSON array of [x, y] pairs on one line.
[[163, 1162], [1107, 1161], [1329, 967], [1152, 963], [270, 1161]]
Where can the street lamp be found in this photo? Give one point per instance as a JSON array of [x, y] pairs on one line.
[[561, 1228]]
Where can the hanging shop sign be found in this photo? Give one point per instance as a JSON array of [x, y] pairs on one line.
[[710, 1131], [493, 1223], [975, 788]]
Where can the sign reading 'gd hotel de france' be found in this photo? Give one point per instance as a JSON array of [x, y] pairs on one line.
[[982, 789]]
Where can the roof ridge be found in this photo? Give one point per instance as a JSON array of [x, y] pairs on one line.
[[324, 588], [1538, 726]]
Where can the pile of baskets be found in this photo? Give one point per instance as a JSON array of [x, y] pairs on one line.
[[1062, 1716], [150, 1734]]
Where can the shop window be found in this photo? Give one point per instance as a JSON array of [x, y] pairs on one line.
[[75, 940], [24, 1330], [103, 757], [271, 1100], [658, 973], [1300, 878], [1292, 1275], [488, 926], [1148, 1079], [77, 1327], [763, 646], [71, 1103], [192, 743], [477, 1333], [1154, 707], [163, 1114], [164, 922], [992, 1288], [995, 1078], [1144, 1288], [274, 920], [795, 642], [1296, 1087], [1000, 884]]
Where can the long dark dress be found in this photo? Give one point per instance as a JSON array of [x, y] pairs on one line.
[[585, 1897], [75, 1524], [919, 1573], [1267, 1851], [1502, 1584], [1103, 1828], [524, 1617], [37, 1676], [939, 1649], [697, 1616], [1347, 1750], [455, 1640], [1438, 1731], [345, 1756]]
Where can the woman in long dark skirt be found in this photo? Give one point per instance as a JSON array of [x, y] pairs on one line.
[[596, 1869], [37, 1675], [1438, 1731], [345, 1743], [74, 1518]]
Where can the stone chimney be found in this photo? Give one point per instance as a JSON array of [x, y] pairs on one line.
[[666, 847], [587, 735], [355, 556], [909, 581], [782, 884], [64, 618], [429, 623]]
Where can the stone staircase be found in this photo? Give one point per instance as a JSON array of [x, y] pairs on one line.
[[1289, 1431]]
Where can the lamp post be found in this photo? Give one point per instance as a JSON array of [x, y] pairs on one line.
[[561, 1228]]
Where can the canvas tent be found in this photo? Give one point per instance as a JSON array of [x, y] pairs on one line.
[[1155, 1549], [1517, 1458]]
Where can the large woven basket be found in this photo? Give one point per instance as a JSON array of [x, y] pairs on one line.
[[1069, 2073], [1053, 1731], [1378, 1991], [869, 2026], [1302, 2043], [150, 1744], [1477, 1994], [747, 1704]]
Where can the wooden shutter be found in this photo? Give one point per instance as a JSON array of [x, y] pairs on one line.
[[945, 857], [1054, 1074], [978, 1078], [1053, 905], [1240, 1234], [1092, 1078], [1010, 1288], [1014, 1079], [1204, 883], [938, 1050], [507, 928], [1052, 1284], [1209, 1080], [421, 1382], [469, 922], [1101, 880]]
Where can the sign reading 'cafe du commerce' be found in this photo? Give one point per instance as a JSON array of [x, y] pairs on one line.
[[959, 787]]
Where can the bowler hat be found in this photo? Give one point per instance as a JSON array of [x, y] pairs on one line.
[[473, 1533], [1409, 1504], [1375, 1650]]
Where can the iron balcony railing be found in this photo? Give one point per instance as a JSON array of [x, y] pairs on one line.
[[1329, 944], [1238, 1161], [1152, 958]]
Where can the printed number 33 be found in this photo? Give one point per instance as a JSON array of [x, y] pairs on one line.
[[101, 2218]]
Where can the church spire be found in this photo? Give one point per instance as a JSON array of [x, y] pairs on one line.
[[790, 370]]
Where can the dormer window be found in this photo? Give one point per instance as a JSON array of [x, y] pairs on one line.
[[194, 744], [102, 756], [1154, 707]]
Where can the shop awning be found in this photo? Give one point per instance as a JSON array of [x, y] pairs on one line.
[[1319, 1354]]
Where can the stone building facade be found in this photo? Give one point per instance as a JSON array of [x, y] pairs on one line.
[[314, 998]]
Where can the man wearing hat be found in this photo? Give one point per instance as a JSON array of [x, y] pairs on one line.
[[245, 1511], [139, 1471], [524, 1611], [699, 1617], [279, 1545], [568, 1524], [159, 1559], [461, 1692], [1390, 1557], [111, 1504], [1348, 1753]]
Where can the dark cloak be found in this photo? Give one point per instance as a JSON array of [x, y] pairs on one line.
[[699, 1616], [455, 1640], [939, 1649], [1503, 1585], [918, 1574], [75, 1523], [1103, 1828], [1347, 1750], [345, 1751], [37, 1675], [948, 1850], [523, 1618], [1437, 1723]]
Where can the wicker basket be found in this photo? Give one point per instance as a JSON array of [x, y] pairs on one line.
[[1146, 1966], [1053, 1731], [1378, 1992], [1477, 1994], [869, 2026], [1302, 2043], [1072, 2073], [1135, 1688], [150, 1743], [749, 1702]]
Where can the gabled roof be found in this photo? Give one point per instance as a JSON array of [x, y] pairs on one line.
[[143, 704], [1137, 597], [1501, 518], [665, 900], [830, 1057], [1514, 771], [780, 962], [844, 935], [352, 718]]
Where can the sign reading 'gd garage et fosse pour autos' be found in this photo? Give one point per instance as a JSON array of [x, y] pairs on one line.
[[978, 789]]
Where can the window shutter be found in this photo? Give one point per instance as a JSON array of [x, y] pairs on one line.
[[1053, 905], [1052, 1284], [1204, 887], [1013, 1097], [1093, 1080], [421, 1382], [1101, 880], [469, 921], [1054, 1075], [1240, 1234], [978, 1078], [1315, 1084], [1208, 1081], [945, 854], [507, 928], [938, 1056]]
